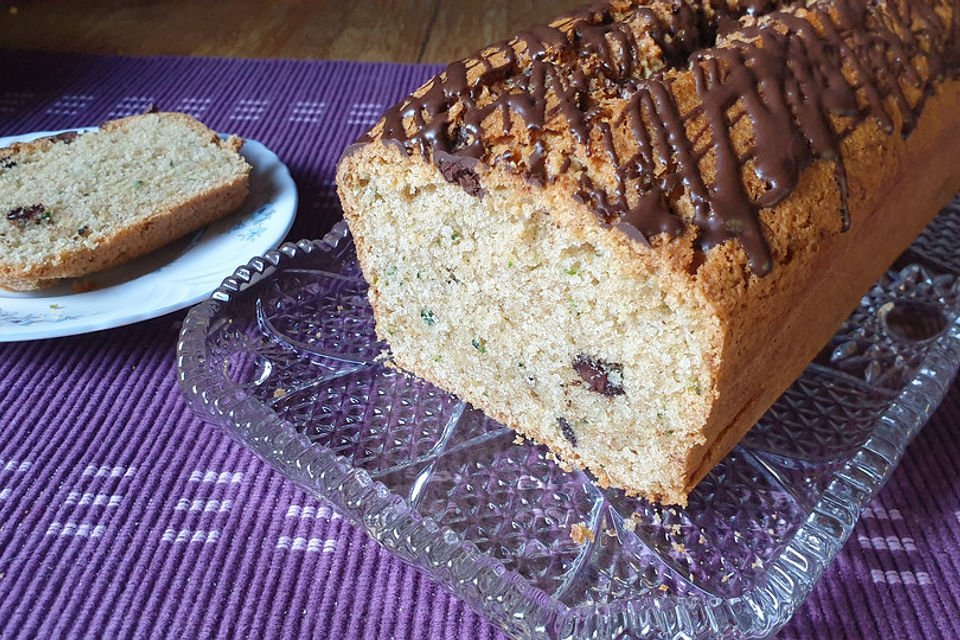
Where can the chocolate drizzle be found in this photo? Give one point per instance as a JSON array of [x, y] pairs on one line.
[[608, 78]]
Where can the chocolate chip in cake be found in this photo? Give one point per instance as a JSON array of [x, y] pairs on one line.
[[36, 212], [605, 378], [66, 137], [7, 163], [460, 170], [567, 430], [83, 231]]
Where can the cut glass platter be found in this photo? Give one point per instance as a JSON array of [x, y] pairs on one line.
[[284, 357]]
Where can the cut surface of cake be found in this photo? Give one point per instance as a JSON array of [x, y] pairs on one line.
[[626, 233]]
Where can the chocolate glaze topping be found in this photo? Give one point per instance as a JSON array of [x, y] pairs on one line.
[[802, 74]]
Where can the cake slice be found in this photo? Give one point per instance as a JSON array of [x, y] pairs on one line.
[[77, 203], [625, 234]]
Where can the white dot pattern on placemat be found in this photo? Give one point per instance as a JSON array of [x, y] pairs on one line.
[[188, 535], [888, 543], [249, 109], [207, 476], [900, 577], [206, 506], [77, 529], [876, 512], [131, 106], [91, 502], [94, 499], [888, 552], [364, 113], [11, 475], [304, 516], [299, 543], [69, 104], [11, 101], [307, 512], [199, 516], [193, 106], [306, 111]]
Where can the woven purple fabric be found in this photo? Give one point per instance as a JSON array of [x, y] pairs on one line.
[[124, 516]]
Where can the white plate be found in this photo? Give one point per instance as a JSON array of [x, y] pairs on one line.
[[172, 277]]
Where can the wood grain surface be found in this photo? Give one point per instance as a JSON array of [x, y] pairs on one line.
[[383, 30]]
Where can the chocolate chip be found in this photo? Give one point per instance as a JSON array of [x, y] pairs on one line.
[[7, 163], [605, 378], [152, 108], [66, 137], [567, 430], [21, 215], [460, 170], [83, 231]]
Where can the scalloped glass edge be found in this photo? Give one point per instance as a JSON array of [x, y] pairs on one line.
[[484, 583]]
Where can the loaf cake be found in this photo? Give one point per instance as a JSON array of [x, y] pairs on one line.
[[626, 233], [77, 203]]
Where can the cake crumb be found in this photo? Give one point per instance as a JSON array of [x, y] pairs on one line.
[[679, 547], [603, 480], [611, 532], [757, 564], [518, 440], [630, 524], [580, 533], [279, 393], [664, 588]]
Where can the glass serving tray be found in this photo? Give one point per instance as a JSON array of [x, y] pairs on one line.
[[283, 356]]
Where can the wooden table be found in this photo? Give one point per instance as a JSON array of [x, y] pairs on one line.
[[385, 30]]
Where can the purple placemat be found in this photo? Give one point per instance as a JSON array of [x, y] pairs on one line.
[[122, 515]]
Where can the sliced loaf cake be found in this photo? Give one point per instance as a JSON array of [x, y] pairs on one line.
[[625, 234], [77, 203]]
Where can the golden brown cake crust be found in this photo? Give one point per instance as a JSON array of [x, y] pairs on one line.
[[675, 129]]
